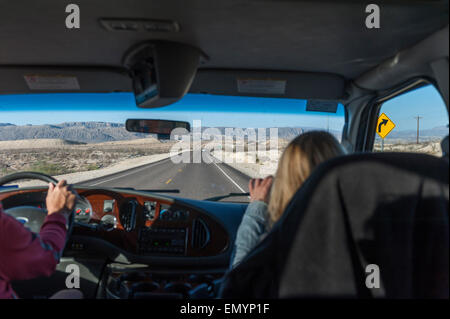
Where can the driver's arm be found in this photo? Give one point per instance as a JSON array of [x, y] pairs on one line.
[[25, 255]]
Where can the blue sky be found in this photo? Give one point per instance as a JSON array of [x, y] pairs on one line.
[[425, 102], [211, 110]]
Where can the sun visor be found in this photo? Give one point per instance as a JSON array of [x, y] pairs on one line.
[[295, 85], [31, 79]]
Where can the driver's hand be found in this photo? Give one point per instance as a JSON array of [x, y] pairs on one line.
[[260, 189], [60, 198]]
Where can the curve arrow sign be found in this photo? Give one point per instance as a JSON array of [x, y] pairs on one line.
[[383, 122]]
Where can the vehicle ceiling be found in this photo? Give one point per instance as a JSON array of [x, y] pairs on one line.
[[313, 36]]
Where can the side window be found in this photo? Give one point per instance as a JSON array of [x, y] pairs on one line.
[[416, 121]]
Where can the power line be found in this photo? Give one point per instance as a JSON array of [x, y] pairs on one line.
[[418, 120]]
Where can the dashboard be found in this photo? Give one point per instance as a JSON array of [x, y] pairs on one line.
[[137, 244], [138, 224]]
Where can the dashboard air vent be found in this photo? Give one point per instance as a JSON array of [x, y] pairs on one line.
[[200, 234], [128, 215]]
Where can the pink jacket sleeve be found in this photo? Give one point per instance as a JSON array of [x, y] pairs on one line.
[[25, 255]]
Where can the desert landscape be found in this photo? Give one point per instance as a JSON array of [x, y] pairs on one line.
[[262, 164], [71, 148], [431, 147], [58, 157], [68, 148]]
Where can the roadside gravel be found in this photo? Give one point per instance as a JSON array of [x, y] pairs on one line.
[[79, 177]]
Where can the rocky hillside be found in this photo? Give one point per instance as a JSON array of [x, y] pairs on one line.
[[81, 132], [98, 132], [286, 133]]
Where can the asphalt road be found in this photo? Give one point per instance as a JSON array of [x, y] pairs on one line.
[[193, 180]]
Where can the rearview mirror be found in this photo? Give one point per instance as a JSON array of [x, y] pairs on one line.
[[163, 128]]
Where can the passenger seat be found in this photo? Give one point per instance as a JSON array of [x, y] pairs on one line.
[[444, 147], [356, 214]]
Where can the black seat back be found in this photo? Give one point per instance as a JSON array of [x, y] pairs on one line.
[[444, 147], [387, 209]]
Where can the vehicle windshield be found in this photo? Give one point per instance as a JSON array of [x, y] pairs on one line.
[[82, 138]]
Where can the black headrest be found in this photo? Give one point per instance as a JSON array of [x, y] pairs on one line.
[[444, 146], [388, 209]]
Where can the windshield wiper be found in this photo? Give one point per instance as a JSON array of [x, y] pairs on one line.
[[151, 190], [217, 198]]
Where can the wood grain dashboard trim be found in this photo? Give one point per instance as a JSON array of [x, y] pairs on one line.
[[129, 241]]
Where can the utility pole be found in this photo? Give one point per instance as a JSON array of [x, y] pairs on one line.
[[418, 119]]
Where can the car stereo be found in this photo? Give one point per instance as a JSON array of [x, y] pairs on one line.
[[162, 241]]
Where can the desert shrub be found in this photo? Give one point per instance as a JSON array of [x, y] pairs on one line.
[[5, 171], [48, 168], [92, 167]]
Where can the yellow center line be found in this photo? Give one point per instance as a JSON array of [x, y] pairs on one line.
[[169, 180]]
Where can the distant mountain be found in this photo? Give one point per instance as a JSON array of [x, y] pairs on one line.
[[97, 132], [410, 135], [283, 132], [85, 132]]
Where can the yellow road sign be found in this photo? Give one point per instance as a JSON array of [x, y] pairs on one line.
[[384, 125]]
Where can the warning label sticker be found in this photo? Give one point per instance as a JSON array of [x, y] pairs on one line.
[[261, 86], [52, 82]]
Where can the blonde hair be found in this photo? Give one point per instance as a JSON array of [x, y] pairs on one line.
[[297, 162]]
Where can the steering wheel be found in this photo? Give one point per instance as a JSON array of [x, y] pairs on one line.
[[32, 217]]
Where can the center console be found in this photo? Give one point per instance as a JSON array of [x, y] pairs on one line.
[[144, 283]]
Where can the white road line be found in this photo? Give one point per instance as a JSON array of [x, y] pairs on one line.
[[123, 175], [236, 184]]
